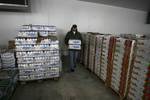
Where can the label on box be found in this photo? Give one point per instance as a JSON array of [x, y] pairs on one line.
[[75, 47], [75, 42]]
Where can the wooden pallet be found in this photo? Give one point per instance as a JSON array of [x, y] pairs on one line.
[[39, 80]]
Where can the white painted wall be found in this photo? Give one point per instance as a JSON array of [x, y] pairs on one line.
[[63, 13]]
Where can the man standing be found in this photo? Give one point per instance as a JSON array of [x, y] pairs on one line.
[[73, 40]]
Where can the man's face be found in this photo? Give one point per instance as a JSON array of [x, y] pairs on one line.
[[74, 29]]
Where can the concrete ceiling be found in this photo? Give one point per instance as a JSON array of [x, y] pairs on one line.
[[143, 5]]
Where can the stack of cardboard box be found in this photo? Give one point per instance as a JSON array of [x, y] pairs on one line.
[[8, 60], [110, 59], [98, 52], [92, 47], [123, 63], [126, 66], [38, 53], [104, 57], [86, 50], [117, 63], [122, 58], [139, 84]]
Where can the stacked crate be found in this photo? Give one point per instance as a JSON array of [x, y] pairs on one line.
[[126, 66], [92, 48], [121, 65], [8, 60], [91, 51], [99, 40], [139, 84], [37, 52], [110, 56], [104, 57], [117, 63], [86, 49]]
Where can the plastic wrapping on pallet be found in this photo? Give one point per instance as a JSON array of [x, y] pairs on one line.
[[35, 59], [33, 30], [27, 34], [39, 27], [38, 59], [37, 47], [37, 53]]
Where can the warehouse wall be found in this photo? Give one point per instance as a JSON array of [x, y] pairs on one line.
[[64, 13]]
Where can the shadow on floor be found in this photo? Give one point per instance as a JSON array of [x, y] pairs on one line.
[[78, 85]]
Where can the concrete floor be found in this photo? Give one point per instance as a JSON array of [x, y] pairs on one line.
[[79, 85]]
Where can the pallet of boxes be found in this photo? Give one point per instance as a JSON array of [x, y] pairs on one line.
[[115, 60], [92, 48], [86, 50], [139, 83], [98, 53], [38, 53], [121, 64], [110, 59], [104, 56]]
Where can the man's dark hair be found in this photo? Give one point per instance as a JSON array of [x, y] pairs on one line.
[[74, 26]]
